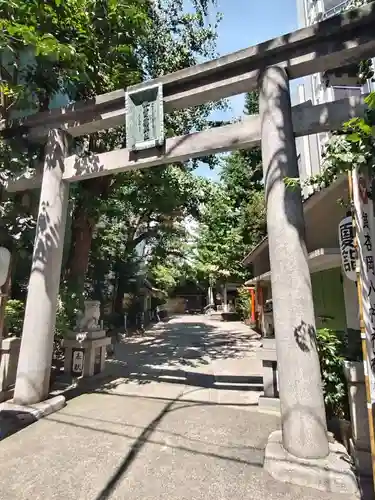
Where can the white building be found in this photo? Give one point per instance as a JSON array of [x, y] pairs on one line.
[[335, 297], [320, 88]]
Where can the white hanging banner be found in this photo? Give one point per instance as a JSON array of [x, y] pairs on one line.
[[347, 248], [364, 222]]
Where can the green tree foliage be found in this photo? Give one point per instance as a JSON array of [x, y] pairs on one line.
[[166, 277], [78, 49], [228, 232], [172, 40], [70, 49], [243, 303], [242, 171], [142, 224], [233, 217], [351, 147], [219, 243]]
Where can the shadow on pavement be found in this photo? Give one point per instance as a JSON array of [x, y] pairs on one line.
[[132, 454], [12, 421], [180, 352], [154, 434]]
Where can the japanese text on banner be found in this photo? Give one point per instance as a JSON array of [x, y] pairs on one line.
[[347, 248], [364, 216]]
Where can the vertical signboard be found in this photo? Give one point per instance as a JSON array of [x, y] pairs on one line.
[[364, 223], [4, 265], [77, 362], [144, 118], [347, 248], [5, 275]]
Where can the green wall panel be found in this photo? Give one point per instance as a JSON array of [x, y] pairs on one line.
[[328, 298]]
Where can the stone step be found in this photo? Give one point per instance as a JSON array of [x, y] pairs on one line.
[[239, 379], [229, 382]]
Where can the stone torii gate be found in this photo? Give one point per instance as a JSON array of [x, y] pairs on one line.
[[333, 43]]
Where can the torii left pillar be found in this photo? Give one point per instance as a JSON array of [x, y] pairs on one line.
[[34, 365]]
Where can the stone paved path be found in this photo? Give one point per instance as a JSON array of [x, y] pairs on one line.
[[176, 419]]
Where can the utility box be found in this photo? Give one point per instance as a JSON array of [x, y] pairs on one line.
[[144, 118]]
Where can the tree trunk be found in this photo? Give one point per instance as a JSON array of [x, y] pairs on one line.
[[83, 225], [121, 288], [82, 230]]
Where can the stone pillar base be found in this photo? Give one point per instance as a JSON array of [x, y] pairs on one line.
[[16, 417], [93, 350], [269, 405], [37, 410], [332, 474]]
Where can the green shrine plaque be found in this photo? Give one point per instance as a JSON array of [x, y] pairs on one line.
[[144, 118]]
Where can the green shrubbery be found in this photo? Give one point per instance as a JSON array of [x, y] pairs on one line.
[[14, 315], [331, 356], [243, 303]]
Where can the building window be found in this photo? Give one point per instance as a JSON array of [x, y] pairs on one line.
[[344, 92]]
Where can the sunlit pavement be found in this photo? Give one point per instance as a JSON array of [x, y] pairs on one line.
[[175, 419]]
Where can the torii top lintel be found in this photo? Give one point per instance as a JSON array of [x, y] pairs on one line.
[[341, 40]]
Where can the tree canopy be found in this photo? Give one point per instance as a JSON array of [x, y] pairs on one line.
[[55, 52], [233, 216]]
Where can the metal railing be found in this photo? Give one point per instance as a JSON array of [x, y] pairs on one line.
[[333, 11]]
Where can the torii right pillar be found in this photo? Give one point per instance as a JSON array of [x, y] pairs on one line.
[[300, 453]]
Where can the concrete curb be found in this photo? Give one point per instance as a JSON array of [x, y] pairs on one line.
[[333, 474], [38, 410]]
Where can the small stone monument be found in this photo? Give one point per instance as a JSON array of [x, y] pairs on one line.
[[85, 346], [269, 401]]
